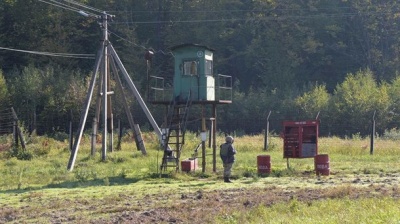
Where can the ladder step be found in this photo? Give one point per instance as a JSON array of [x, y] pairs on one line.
[[174, 136], [173, 139], [170, 166], [176, 121]]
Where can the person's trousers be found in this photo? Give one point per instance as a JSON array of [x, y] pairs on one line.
[[227, 169]]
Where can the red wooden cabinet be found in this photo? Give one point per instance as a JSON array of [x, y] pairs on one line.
[[300, 139]]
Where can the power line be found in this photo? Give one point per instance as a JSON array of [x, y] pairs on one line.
[[272, 10], [137, 45], [265, 18], [229, 10], [60, 5], [84, 6], [65, 6], [140, 46], [273, 14], [179, 21], [66, 55]]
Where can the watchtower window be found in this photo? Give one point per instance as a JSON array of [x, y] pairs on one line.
[[209, 68], [190, 68]]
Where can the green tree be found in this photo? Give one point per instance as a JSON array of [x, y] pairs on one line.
[[394, 108], [313, 101], [376, 36], [4, 97], [355, 100]]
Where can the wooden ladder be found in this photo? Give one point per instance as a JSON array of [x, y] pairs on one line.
[[175, 137]]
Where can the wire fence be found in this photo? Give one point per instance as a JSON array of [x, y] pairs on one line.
[[55, 123], [6, 122]]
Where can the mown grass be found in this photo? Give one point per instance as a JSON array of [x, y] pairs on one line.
[[366, 210], [43, 183], [49, 168]]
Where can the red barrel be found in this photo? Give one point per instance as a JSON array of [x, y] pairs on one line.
[[263, 164], [322, 164]]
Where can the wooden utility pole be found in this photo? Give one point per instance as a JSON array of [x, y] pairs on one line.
[[105, 55]]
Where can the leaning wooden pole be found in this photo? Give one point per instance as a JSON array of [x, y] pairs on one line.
[[19, 132], [139, 144], [85, 110], [136, 93]]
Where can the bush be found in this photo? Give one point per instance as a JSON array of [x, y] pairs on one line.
[[19, 154], [392, 134], [60, 136]]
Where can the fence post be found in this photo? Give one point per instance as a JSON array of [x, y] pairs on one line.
[[15, 133], [71, 138], [119, 135], [18, 130], [94, 138], [266, 133], [372, 134]]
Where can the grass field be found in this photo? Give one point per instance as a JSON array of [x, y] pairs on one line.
[[127, 188]]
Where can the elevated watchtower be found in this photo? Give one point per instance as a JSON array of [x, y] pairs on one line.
[[194, 83], [193, 75]]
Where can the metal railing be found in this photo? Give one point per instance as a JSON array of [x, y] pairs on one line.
[[158, 90], [223, 88], [162, 90]]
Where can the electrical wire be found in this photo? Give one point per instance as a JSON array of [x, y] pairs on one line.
[[65, 6], [140, 46], [60, 5], [84, 6], [265, 18], [66, 55], [124, 39], [272, 10], [179, 21], [228, 10], [278, 14]]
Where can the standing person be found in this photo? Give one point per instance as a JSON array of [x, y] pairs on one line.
[[227, 153]]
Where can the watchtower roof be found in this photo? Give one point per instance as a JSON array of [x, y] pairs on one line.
[[190, 44]]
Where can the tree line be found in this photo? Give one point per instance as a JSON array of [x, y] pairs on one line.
[[335, 58]]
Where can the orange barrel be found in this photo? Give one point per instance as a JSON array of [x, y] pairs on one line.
[[322, 164], [263, 164]]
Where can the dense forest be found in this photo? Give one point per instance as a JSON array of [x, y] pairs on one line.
[[299, 59]]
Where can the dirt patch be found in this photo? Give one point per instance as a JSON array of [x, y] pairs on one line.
[[4, 147], [201, 206]]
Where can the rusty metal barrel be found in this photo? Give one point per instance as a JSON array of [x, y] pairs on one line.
[[264, 164], [322, 164]]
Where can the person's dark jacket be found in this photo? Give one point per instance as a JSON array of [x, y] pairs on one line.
[[227, 153]]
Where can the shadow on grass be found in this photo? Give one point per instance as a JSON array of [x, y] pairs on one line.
[[202, 184], [107, 181], [151, 178]]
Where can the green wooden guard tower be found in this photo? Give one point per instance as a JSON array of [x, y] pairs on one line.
[[194, 83], [194, 76]]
